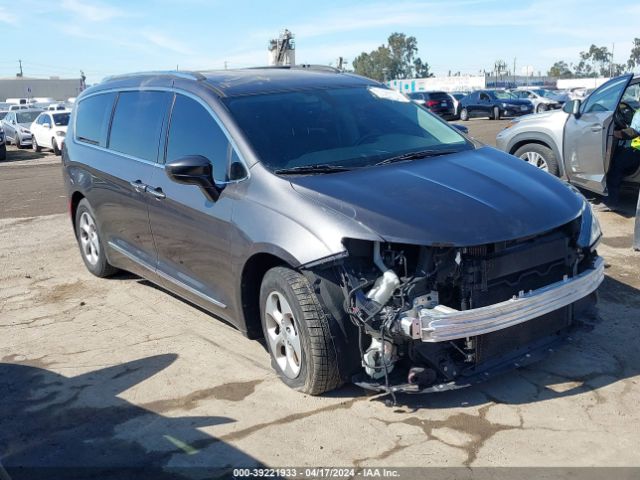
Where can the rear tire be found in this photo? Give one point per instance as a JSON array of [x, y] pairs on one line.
[[539, 156], [464, 115], [297, 333], [90, 242]]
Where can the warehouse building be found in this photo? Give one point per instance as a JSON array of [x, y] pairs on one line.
[[53, 87]]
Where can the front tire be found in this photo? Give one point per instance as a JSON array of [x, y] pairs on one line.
[[464, 115], [17, 142], [3, 152], [496, 114], [90, 242], [297, 333], [539, 156], [54, 145], [541, 108], [35, 145]]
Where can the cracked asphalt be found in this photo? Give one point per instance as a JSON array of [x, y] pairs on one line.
[[103, 372]]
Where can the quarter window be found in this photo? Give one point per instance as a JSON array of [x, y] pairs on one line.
[[92, 119], [137, 123], [193, 131]]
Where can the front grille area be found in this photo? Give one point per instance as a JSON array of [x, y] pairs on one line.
[[499, 272], [500, 342]]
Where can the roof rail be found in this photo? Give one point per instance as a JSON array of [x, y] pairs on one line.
[[301, 66], [172, 73]]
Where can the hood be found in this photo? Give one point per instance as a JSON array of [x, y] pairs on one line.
[[463, 199], [537, 117]]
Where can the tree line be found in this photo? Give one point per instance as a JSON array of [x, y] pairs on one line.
[[397, 59], [597, 61]]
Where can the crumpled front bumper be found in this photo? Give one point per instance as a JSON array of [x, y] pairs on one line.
[[442, 323]]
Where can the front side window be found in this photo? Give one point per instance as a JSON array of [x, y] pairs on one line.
[[92, 119], [193, 131], [605, 98], [137, 123], [353, 127]]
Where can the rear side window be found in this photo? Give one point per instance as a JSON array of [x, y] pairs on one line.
[[193, 131], [92, 119], [137, 123]]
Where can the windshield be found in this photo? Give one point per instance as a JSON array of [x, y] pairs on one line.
[[61, 119], [504, 95], [26, 117], [350, 127]]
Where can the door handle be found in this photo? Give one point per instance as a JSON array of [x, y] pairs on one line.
[[138, 186], [596, 127], [156, 192]]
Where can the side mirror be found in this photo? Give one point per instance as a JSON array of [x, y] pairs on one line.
[[194, 170], [46, 125], [572, 107]]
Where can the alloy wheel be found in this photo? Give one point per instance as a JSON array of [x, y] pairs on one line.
[[89, 238], [535, 159], [283, 334]]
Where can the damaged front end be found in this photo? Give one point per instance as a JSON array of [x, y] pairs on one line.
[[432, 318]]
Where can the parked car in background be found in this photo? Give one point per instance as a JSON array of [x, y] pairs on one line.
[[539, 98], [3, 145], [493, 104], [439, 103], [49, 130], [577, 142], [362, 238], [455, 98], [19, 107], [16, 125]]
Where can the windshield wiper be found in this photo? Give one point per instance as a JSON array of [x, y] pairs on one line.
[[319, 168], [415, 156]]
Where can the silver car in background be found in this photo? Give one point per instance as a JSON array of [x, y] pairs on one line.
[[577, 143], [542, 99]]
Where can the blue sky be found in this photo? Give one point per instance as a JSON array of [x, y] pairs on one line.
[[110, 37]]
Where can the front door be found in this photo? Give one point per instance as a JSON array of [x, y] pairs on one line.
[[191, 232], [588, 137]]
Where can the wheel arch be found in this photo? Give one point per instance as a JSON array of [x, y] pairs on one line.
[[538, 138], [253, 271], [74, 201]]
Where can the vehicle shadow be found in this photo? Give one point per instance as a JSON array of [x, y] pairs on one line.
[[18, 155], [594, 358], [58, 426]]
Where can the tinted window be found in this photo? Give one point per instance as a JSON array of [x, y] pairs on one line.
[[438, 96], [137, 123], [92, 119], [2, 115], [484, 96], [193, 131]]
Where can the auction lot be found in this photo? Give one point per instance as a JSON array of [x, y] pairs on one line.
[[117, 372]]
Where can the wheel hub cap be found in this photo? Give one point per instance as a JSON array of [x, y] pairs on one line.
[[89, 238], [282, 334], [535, 159]]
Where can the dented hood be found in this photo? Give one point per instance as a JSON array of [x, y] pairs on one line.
[[463, 199]]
